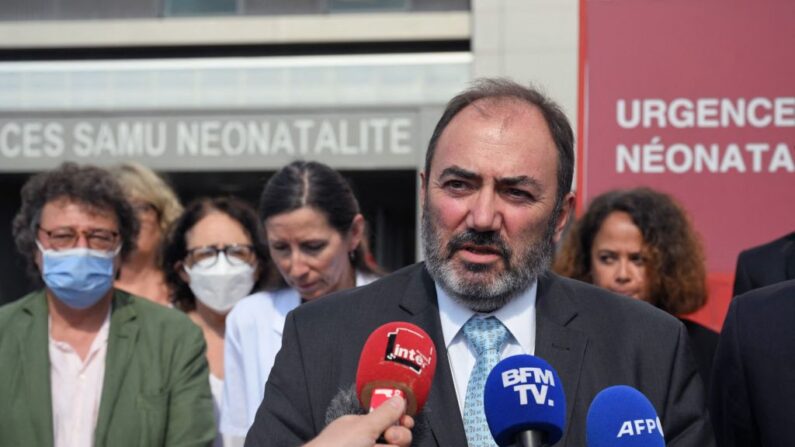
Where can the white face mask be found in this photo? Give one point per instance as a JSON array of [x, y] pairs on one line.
[[222, 284]]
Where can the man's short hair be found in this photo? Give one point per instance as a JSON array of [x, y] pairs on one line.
[[89, 186], [501, 88]]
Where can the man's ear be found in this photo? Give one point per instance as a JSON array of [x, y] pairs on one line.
[[566, 211]]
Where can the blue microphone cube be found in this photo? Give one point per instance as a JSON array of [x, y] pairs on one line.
[[524, 393], [621, 416]]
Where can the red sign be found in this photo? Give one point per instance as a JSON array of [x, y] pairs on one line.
[[696, 99]]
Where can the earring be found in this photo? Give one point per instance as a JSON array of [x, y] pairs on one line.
[[352, 256]]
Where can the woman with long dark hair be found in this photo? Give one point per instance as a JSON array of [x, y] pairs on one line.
[[317, 241]]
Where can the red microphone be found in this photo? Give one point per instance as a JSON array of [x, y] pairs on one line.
[[398, 358]]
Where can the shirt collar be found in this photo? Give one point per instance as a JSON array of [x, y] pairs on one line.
[[516, 315], [100, 339]]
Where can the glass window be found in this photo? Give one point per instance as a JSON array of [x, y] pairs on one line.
[[199, 7], [368, 5]]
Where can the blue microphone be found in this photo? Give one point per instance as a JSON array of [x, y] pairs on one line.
[[621, 416], [524, 402]]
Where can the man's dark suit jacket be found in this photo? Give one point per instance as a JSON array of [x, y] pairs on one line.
[[765, 265], [593, 338], [753, 379]]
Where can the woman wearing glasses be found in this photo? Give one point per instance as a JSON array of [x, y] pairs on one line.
[[316, 239], [213, 256]]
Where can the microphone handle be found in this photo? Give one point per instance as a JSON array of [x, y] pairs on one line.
[[531, 438]]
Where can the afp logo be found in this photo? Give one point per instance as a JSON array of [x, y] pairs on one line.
[[403, 347], [530, 381], [639, 427]]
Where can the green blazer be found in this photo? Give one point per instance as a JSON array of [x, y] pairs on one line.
[[156, 389]]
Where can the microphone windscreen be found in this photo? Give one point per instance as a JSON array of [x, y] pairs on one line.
[[396, 356], [621, 416], [524, 393], [344, 403]]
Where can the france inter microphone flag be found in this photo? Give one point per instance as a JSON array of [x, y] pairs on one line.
[[524, 396], [621, 416]]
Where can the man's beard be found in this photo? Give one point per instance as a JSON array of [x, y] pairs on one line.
[[488, 293]]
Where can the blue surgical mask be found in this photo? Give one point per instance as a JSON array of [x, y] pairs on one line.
[[78, 277]]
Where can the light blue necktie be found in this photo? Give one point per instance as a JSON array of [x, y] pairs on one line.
[[487, 336]]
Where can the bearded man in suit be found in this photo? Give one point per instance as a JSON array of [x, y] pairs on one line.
[[496, 194]]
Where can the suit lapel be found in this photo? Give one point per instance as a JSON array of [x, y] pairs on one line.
[[441, 409], [33, 340], [562, 347], [121, 344]]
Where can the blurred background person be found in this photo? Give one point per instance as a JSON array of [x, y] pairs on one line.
[[753, 381], [316, 239], [213, 256], [82, 363], [156, 206], [766, 264], [640, 243]]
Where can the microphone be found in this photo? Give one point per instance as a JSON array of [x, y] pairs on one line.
[[398, 358], [524, 402], [621, 416]]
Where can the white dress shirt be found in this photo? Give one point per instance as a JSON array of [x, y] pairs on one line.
[[76, 388], [518, 316]]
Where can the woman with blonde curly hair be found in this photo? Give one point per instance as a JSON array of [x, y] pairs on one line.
[[640, 243], [156, 206]]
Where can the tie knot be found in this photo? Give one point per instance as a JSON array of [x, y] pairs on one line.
[[485, 334]]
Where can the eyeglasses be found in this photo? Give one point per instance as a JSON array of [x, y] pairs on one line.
[[65, 238], [236, 254]]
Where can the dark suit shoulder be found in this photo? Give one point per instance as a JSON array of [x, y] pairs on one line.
[[760, 307], [769, 248], [765, 264], [598, 303], [753, 397]]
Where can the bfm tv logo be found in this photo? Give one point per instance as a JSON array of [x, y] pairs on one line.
[[542, 379], [403, 347], [637, 427]]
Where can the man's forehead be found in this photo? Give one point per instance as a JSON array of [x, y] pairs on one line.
[[509, 115], [55, 207], [510, 125], [501, 107]]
